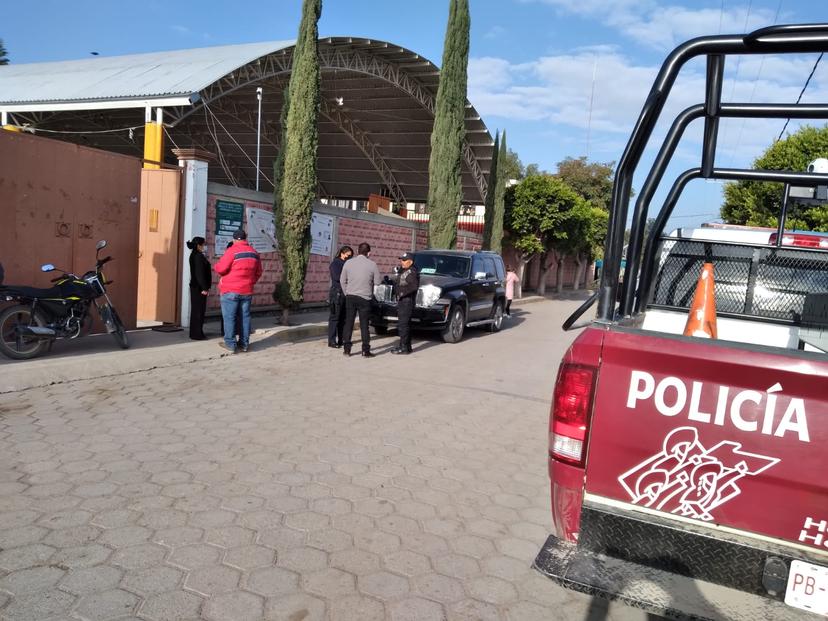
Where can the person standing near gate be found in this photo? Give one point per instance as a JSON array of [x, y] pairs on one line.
[[200, 282], [336, 298], [240, 268], [359, 276], [408, 283]]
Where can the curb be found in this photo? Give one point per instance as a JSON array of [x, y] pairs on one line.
[[43, 372]]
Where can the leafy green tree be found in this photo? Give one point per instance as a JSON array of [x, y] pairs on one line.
[[295, 176], [445, 189], [4, 58], [759, 204], [536, 210], [488, 215], [511, 166], [499, 198], [582, 238], [593, 180], [533, 170]]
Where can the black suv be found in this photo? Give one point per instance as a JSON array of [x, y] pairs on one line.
[[458, 289]]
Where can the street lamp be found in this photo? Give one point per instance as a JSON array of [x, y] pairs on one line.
[[258, 135]]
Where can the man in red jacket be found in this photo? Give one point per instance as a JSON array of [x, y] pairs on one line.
[[240, 269]]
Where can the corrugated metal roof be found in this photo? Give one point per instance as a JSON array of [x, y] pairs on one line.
[[157, 74]]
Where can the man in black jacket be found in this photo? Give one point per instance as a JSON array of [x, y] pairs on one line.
[[408, 283], [336, 298]]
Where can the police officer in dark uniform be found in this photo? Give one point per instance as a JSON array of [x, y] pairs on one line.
[[408, 282]]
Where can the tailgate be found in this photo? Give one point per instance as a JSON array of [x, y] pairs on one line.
[[723, 435]]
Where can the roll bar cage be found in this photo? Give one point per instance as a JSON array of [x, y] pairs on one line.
[[621, 299]]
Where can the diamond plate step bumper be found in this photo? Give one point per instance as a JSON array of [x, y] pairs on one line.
[[656, 591]]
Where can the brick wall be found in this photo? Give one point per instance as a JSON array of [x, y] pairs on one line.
[[389, 238]]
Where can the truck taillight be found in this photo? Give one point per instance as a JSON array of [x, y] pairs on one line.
[[571, 407], [801, 240]]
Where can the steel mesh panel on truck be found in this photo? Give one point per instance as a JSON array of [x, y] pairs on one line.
[[784, 278], [758, 281], [680, 271]]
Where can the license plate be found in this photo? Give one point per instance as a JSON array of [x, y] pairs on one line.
[[808, 587]]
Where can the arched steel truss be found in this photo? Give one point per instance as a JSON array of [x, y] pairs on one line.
[[338, 58]]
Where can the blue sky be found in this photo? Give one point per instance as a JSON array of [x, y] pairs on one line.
[[531, 68]]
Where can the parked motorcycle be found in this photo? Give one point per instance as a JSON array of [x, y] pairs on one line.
[[41, 316]]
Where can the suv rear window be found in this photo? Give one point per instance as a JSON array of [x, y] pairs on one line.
[[490, 266], [499, 269]]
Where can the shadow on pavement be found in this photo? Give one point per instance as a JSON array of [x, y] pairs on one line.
[[422, 340]]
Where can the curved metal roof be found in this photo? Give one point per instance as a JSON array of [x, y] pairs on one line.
[[137, 76], [374, 128]]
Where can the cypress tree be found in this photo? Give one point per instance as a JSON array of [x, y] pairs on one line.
[[488, 217], [281, 293], [499, 198], [4, 59], [445, 188], [294, 171]]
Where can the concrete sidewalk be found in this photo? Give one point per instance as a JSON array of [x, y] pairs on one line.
[[99, 356]]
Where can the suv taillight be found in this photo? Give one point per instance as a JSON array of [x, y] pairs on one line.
[[571, 408]]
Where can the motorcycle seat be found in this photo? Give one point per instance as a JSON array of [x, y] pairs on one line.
[[31, 292]]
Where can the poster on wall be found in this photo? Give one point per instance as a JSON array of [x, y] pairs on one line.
[[228, 220], [321, 234], [261, 230]]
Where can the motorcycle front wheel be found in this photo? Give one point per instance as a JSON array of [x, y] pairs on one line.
[[120, 332], [13, 343], [114, 325]]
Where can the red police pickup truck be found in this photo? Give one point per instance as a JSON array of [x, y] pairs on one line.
[[689, 475]]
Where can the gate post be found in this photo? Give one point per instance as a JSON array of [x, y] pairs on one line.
[[194, 163]]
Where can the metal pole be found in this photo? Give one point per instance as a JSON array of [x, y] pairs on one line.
[[591, 100], [258, 135], [780, 230]]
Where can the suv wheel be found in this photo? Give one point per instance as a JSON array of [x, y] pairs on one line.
[[453, 332], [497, 317]]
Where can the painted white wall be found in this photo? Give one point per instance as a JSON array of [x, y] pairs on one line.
[[194, 222]]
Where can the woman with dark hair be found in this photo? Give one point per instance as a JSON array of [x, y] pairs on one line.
[[336, 299], [200, 282]]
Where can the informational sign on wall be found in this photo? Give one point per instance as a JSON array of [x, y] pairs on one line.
[[261, 230], [321, 234], [229, 217]]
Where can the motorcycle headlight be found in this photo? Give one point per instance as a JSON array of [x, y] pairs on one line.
[[427, 295]]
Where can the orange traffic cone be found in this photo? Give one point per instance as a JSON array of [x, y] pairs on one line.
[[702, 318]]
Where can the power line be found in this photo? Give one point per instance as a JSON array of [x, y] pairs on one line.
[[802, 92], [217, 120], [755, 84]]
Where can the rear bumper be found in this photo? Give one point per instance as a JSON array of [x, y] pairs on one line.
[[670, 571]]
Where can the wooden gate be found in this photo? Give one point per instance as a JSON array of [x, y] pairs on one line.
[[57, 200], [159, 247]]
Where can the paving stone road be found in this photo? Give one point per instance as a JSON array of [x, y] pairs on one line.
[[291, 484]]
